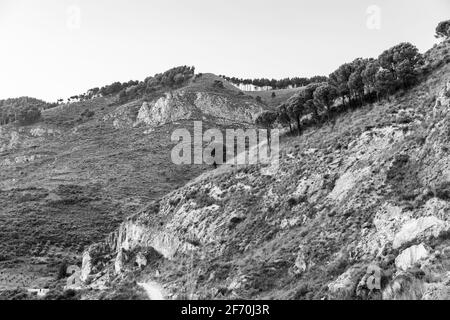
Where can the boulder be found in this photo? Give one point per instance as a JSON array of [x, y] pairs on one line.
[[119, 262], [300, 265], [345, 285], [91, 257], [86, 268], [409, 257], [141, 260], [74, 282], [420, 228]]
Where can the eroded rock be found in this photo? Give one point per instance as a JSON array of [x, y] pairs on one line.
[[409, 257]]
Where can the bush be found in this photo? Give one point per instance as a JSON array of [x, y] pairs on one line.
[[62, 271], [443, 191], [28, 115], [218, 84], [88, 113], [22, 110]]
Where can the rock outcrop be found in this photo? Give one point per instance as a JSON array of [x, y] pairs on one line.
[[182, 105]]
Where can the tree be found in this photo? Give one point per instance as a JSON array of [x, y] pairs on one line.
[[355, 81], [369, 74], [28, 115], [324, 97], [122, 95], [266, 120], [309, 107], [62, 269], [283, 116], [339, 79], [403, 61], [218, 84], [295, 109], [385, 82], [443, 29]]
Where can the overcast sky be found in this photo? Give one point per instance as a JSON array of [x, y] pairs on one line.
[[58, 48]]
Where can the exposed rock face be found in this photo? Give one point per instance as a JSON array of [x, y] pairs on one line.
[[141, 260], [94, 259], [409, 257], [421, 228], [124, 116], [181, 105]]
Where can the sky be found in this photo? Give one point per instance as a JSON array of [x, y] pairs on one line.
[[54, 49]]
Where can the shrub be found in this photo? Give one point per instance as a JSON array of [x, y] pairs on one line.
[[22, 110], [443, 191], [88, 113], [62, 271], [28, 115], [218, 84], [443, 29]]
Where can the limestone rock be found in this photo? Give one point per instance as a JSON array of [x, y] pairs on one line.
[[119, 262], [141, 260], [345, 284], [86, 268], [91, 258], [300, 263], [181, 105], [420, 228], [409, 257]]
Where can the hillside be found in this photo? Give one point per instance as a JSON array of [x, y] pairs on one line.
[[281, 95], [71, 178], [357, 202]]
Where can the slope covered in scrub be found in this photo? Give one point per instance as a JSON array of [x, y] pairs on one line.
[[72, 177]]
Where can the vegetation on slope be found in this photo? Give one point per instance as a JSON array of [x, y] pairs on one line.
[[24, 110]]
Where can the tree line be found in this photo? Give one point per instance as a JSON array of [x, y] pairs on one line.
[[169, 79], [352, 85], [23, 110], [277, 84]]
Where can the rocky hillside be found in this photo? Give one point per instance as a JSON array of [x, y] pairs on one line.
[[358, 208], [71, 178]]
